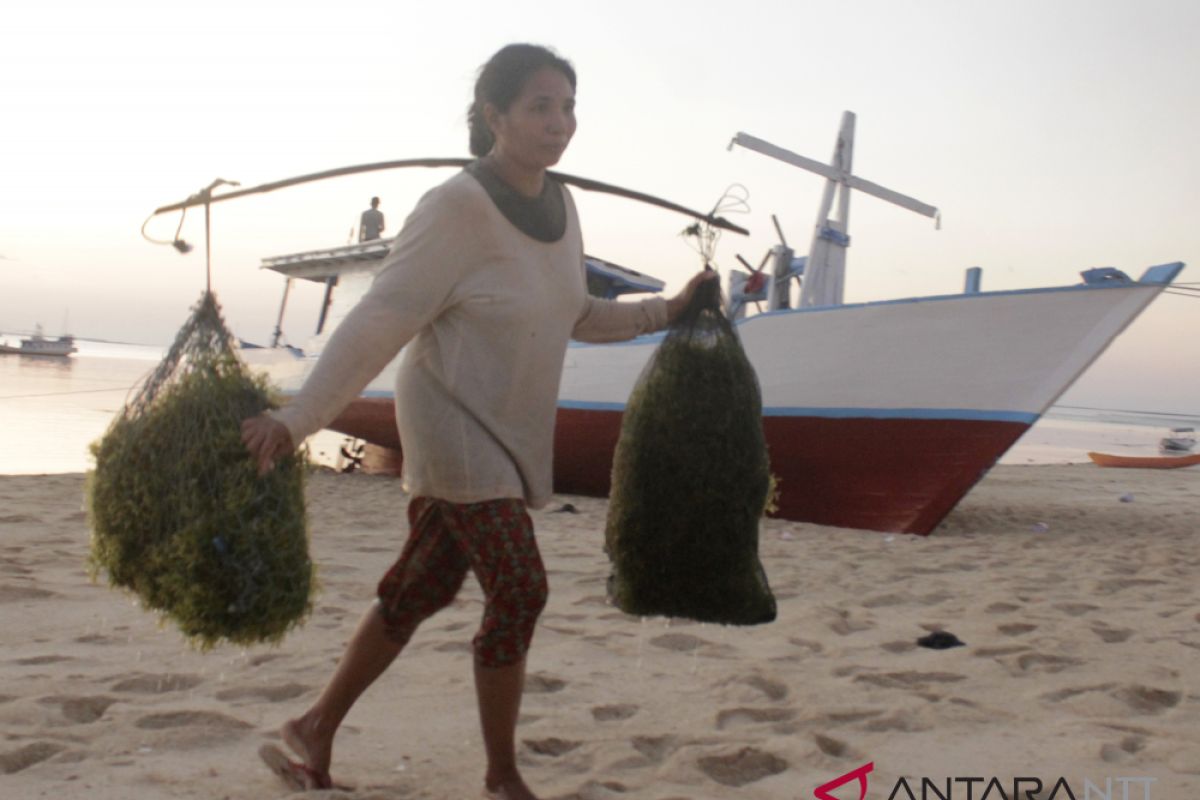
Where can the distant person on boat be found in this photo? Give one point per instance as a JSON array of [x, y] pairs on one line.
[[370, 226], [483, 288]]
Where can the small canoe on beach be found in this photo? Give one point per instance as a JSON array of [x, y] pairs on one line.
[[1144, 462]]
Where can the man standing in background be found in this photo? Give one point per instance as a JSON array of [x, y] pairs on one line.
[[371, 225]]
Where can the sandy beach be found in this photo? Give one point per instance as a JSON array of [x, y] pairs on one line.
[[1075, 589]]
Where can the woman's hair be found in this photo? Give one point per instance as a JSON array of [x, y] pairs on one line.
[[501, 80]]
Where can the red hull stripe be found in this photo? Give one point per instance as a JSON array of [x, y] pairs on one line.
[[878, 473]]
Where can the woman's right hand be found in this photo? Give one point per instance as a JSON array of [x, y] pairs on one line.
[[267, 440]]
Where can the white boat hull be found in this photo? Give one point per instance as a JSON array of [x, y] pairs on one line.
[[879, 415]]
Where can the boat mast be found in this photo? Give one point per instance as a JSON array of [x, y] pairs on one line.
[[824, 272]]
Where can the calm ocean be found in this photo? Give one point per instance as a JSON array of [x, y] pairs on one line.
[[51, 409]]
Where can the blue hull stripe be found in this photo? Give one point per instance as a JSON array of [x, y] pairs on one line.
[[971, 414]]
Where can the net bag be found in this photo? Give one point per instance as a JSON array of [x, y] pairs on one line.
[[178, 512], [691, 479]]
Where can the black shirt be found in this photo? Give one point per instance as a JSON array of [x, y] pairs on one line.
[[543, 217]]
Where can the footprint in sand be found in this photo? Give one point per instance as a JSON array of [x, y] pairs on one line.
[[774, 690], [1122, 751], [909, 680], [81, 710], [843, 625], [885, 600], [1040, 662], [39, 660], [1002, 608], [743, 767], [1075, 609], [1146, 699], [28, 755], [1075, 691], [15, 594], [654, 748], [614, 713], [742, 717], [191, 719], [1004, 650], [189, 730], [95, 638], [810, 645], [686, 643], [263, 658], [1016, 628], [540, 683], [848, 717], [157, 684], [551, 746], [272, 693], [835, 747], [1111, 635], [602, 790], [901, 721], [1114, 585]]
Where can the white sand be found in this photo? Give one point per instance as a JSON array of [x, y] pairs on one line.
[[1082, 645]]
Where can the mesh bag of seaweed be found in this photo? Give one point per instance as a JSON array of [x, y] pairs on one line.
[[180, 515], [691, 479]]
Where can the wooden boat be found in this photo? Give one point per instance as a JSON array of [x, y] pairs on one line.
[[1144, 462], [934, 389], [39, 345]]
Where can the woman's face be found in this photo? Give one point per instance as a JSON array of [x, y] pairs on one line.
[[539, 124]]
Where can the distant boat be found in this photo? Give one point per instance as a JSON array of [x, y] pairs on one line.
[[39, 345], [1180, 440], [1144, 462]]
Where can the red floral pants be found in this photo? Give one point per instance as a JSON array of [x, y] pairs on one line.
[[494, 539]]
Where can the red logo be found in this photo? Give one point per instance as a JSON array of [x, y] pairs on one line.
[[822, 792]]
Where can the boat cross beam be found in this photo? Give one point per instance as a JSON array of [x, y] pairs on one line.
[[834, 174]]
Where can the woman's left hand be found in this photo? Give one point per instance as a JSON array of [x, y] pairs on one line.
[[679, 302]]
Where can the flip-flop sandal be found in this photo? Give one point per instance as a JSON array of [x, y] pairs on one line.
[[297, 776]]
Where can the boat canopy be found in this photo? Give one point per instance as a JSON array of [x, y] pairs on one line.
[[320, 265], [604, 278]]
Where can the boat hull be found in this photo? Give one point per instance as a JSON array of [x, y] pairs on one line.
[[899, 475], [1144, 462], [879, 416]]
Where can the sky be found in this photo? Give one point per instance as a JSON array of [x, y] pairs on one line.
[[1054, 136]]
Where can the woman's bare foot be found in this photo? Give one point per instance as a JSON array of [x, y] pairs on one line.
[[507, 787], [304, 737]]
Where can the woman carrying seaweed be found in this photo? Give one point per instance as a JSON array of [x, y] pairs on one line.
[[485, 286]]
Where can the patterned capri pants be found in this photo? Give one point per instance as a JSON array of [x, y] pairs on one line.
[[494, 539]]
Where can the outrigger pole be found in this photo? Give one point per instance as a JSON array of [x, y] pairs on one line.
[[588, 184]]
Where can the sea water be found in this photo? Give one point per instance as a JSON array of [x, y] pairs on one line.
[[52, 409]]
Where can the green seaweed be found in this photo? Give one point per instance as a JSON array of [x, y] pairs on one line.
[[178, 512], [691, 481]]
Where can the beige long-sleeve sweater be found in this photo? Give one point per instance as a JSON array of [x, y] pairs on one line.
[[486, 313]]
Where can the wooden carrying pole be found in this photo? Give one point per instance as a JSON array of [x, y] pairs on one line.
[[583, 183]]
